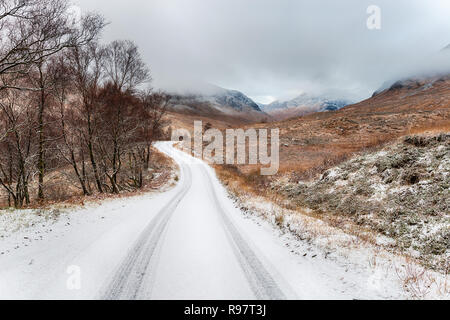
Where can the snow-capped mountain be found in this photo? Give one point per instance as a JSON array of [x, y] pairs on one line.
[[303, 104], [307, 101], [237, 100], [213, 99], [413, 85]]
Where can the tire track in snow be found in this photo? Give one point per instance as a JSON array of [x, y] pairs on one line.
[[262, 283], [128, 280]]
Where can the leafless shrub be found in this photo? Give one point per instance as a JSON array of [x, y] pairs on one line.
[[415, 279]]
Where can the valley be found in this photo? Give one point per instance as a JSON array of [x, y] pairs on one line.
[[319, 156], [224, 150]]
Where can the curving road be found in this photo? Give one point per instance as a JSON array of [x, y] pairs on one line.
[[192, 248], [189, 242]]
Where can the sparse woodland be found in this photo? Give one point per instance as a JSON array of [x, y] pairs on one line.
[[70, 104]]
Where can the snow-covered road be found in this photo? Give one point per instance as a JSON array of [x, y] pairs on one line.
[[187, 243], [192, 249]]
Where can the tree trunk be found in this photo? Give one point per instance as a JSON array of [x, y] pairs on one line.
[[77, 172], [41, 159], [92, 158]]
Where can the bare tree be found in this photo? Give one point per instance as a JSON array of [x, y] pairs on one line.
[[18, 152], [71, 147], [87, 67], [124, 65], [32, 30], [45, 28], [119, 120], [82, 99], [121, 113], [155, 107]]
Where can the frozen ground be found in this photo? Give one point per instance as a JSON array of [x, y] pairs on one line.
[[189, 242]]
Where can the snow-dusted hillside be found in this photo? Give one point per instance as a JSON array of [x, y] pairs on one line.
[[415, 85], [214, 99], [400, 192]]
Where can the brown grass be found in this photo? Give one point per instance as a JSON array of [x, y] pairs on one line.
[[415, 279]]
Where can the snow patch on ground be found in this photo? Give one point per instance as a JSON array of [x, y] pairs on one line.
[[38, 246], [387, 275]]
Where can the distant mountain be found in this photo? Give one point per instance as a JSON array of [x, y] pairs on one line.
[[213, 100], [302, 105], [236, 100], [413, 85], [261, 105], [424, 78], [307, 101]]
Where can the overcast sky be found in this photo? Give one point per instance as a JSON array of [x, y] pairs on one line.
[[276, 49]]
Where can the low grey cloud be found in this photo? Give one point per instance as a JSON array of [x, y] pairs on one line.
[[276, 49]]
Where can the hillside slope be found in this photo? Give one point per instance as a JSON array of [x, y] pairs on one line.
[[401, 192], [216, 102]]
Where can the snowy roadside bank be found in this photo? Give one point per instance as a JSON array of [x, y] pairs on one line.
[[314, 239], [20, 227], [41, 248]]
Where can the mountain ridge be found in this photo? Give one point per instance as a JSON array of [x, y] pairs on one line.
[[214, 101], [302, 105]]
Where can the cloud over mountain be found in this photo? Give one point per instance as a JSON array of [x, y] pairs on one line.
[[281, 48]]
